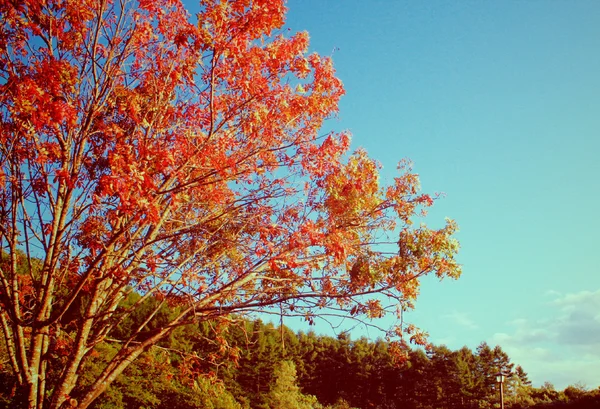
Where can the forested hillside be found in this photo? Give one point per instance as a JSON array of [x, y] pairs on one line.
[[257, 365]]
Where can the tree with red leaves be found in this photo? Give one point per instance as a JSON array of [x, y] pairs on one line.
[[143, 153]]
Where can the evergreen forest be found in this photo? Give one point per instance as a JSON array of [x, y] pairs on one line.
[[241, 364]]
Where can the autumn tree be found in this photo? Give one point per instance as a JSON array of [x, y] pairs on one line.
[[145, 151]]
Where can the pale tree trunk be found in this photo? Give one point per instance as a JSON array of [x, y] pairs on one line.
[[110, 374], [35, 368], [68, 380], [124, 358]]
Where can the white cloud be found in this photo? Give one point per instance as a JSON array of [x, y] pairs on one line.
[[579, 321], [462, 319], [562, 348], [585, 299]]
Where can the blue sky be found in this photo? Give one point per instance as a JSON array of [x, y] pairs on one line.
[[498, 105]]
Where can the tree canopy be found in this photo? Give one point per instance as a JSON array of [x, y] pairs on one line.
[[145, 152]]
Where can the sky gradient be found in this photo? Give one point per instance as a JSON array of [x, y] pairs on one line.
[[498, 106]]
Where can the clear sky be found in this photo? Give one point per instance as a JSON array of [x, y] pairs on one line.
[[498, 105]]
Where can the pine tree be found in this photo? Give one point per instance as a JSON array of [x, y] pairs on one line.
[[285, 393]]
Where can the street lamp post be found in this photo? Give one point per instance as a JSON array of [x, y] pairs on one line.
[[500, 379]]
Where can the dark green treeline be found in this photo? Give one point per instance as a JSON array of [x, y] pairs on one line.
[[249, 364]]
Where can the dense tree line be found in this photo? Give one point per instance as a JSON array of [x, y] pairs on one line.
[[250, 364]]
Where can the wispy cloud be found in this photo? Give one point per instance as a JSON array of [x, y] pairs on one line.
[[578, 324], [564, 347], [462, 319]]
